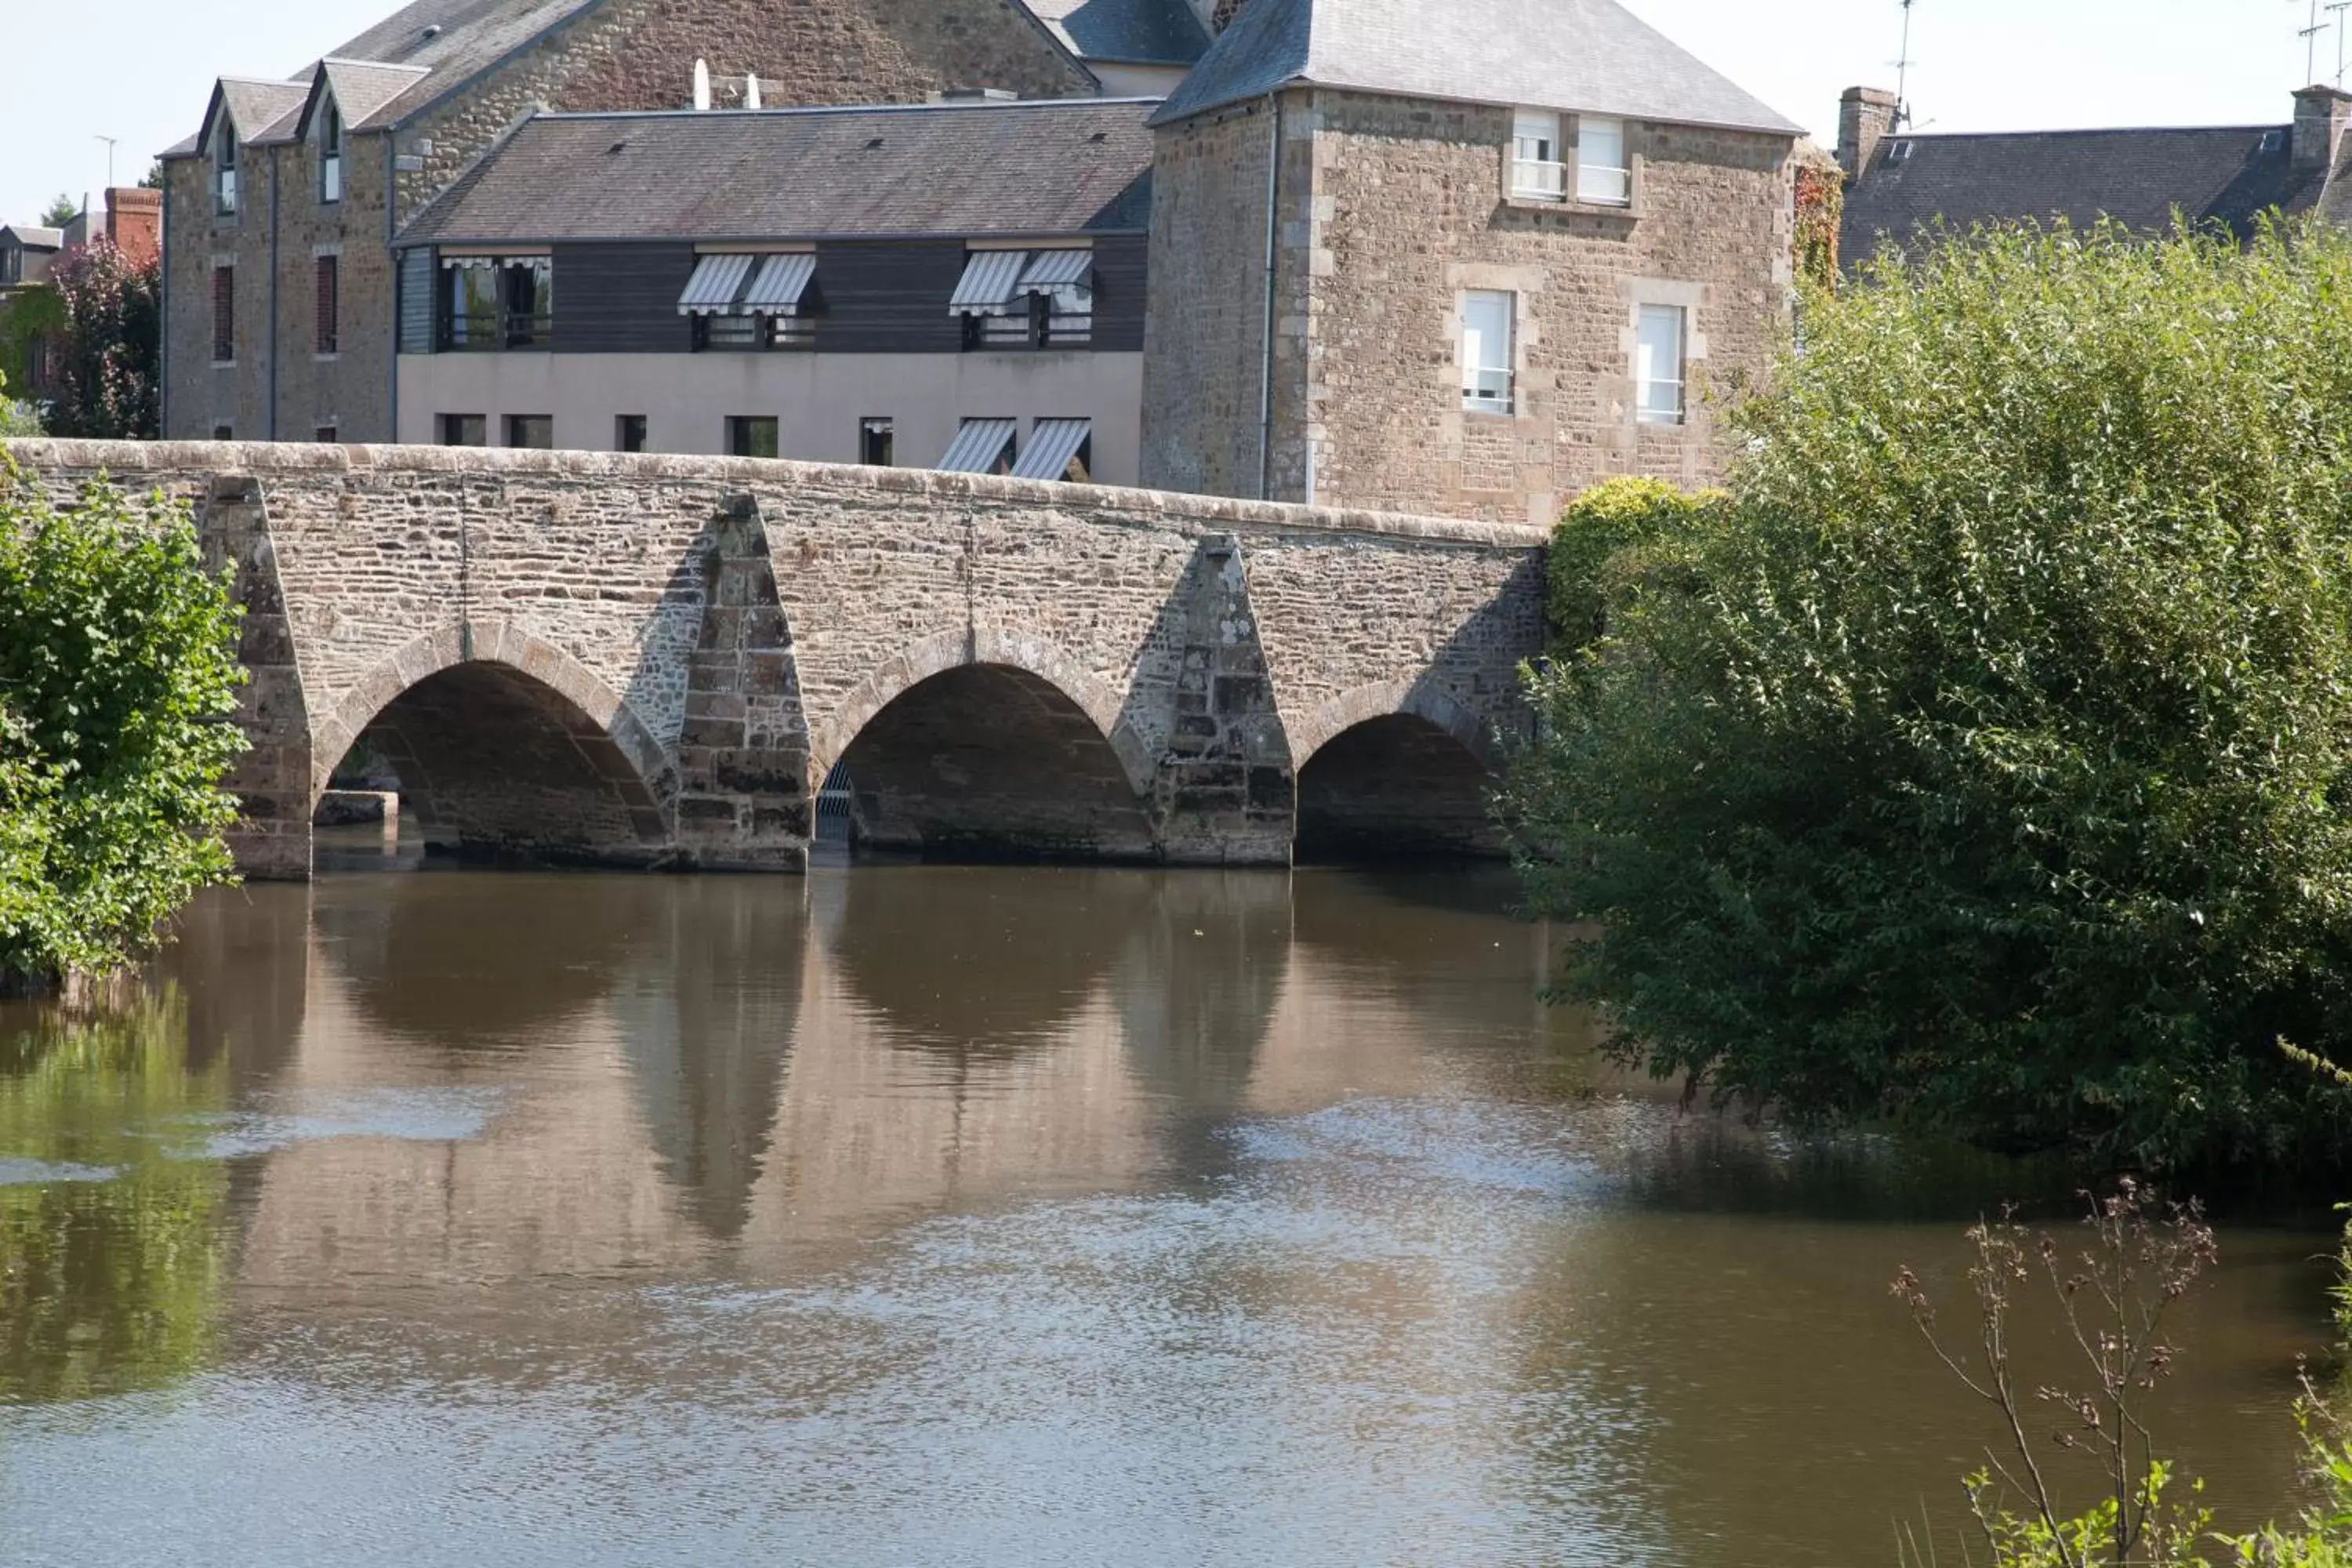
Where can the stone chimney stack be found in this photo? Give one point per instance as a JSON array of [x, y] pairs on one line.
[[1866, 116], [2320, 116]]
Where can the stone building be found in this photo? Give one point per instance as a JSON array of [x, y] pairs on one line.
[[1465, 259], [1902, 185], [279, 212]]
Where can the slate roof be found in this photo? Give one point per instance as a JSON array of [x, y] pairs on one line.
[[28, 238], [1127, 32], [1046, 166], [363, 90], [2226, 175], [1577, 55], [258, 108]]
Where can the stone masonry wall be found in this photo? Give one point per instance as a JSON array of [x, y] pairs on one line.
[[712, 635]]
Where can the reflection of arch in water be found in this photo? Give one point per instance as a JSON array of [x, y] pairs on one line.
[[1197, 986], [990, 746], [1395, 772], [509, 748]]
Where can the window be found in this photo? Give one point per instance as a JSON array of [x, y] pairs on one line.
[[1026, 299], [982, 447], [223, 433], [223, 314], [534, 432], [751, 437], [496, 303], [748, 334], [1057, 450], [876, 439], [329, 303], [465, 430], [1487, 379], [326, 435], [1658, 365], [11, 265], [225, 166], [1602, 173], [1536, 169], [742, 301], [331, 153], [629, 433]]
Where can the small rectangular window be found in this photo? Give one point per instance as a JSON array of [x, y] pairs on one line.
[[750, 436], [1602, 173], [1658, 364], [876, 439], [533, 432], [329, 303], [224, 433], [465, 430], [1487, 362], [629, 433], [223, 314], [1538, 171], [326, 435]]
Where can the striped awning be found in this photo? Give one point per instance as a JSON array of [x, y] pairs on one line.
[[781, 282], [977, 447], [717, 280], [1053, 443], [991, 280], [1056, 269]]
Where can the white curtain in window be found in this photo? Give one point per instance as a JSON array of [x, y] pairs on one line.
[[1658, 363], [1603, 175], [1487, 351]]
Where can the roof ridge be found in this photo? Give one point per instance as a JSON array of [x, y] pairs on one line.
[[2086, 130], [818, 111]]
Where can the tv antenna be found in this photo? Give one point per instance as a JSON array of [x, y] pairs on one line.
[[2337, 8], [1902, 71], [110, 141], [2310, 36]]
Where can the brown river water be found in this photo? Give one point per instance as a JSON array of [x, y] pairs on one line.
[[913, 1215]]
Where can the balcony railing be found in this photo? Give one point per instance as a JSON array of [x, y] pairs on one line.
[[1604, 185], [497, 332], [1535, 178]]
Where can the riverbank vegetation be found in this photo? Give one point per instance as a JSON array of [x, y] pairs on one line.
[[1983, 757], [118, 683]]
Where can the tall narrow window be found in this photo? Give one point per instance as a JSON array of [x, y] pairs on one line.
[[225, 166], [329, 303], [750, 436], [331, 153], [1538, 171], [876, 442], [1487, 351], [629, 433], [1602, 173], [1658, 365], [223, 314]]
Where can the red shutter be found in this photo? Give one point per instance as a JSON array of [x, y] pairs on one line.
[[224, 313], [327, 305]]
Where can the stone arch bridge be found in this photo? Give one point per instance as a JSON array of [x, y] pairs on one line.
[[655, 660]]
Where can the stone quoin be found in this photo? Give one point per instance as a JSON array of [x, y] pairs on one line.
[[655, 661]]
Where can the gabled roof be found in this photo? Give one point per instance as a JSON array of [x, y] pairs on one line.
[[29, 238], [2223, 175], [1045, 166], [1591, 55], [361, 89], [256, 108], [1125, 32]]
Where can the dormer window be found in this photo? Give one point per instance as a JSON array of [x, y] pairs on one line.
[[1538, 171], [331, 153], [224, 167], [1604, 174]]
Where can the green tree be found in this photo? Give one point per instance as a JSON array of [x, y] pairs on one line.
[[152, 180], [118, 677], [1988, 759], [108, 354], [62, 210]]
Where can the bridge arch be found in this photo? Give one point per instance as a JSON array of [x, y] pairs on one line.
[[990, 744], [509, 747], [1395, 770]]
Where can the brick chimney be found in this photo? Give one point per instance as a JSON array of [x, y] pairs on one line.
[[134, 222], [2320, 115], [1866, 116]]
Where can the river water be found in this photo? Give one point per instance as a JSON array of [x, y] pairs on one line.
[[915, 1216]]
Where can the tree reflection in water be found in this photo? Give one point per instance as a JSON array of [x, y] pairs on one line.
[[111, 1275]]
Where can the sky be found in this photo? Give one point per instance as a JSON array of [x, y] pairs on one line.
[[141, 71]]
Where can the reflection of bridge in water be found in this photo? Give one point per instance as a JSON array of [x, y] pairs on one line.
[[642, 660], [677, 1066]]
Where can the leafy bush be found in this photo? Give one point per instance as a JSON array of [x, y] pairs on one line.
[[1598, 545], [118, 677], [110, 353], [1988, 759]]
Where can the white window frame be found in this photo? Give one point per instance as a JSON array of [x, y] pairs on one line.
[[1600, 182], [225, 166], [331, 153], [1489, 380], [1649, 406], [1539, 171]]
